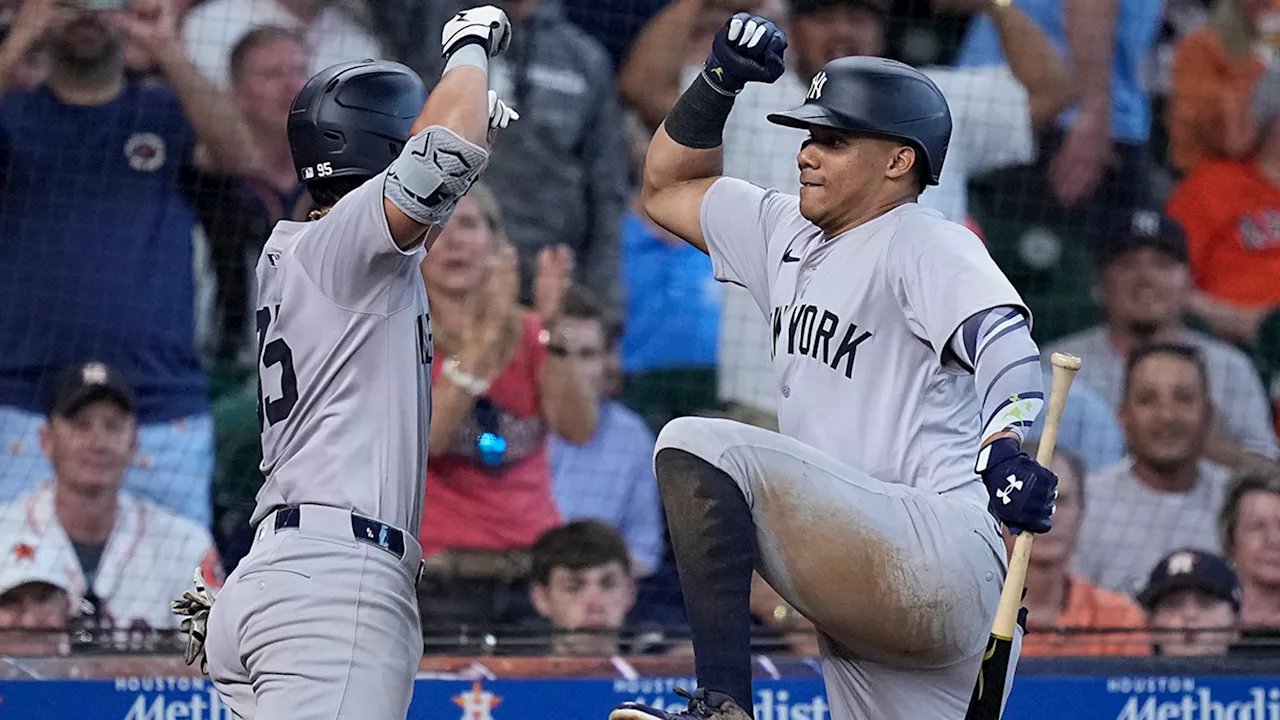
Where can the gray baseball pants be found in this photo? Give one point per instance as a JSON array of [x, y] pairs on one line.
[[902, 584], [315, 625]]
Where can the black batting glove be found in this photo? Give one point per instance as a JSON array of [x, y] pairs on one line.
[[746, 49], [1021, 490]]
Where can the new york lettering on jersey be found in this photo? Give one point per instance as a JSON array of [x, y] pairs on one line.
[[345, 350], [818, 333], [880, 298]]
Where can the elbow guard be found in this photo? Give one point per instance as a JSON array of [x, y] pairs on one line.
[[434, 171]]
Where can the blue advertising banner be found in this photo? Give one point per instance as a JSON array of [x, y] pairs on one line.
[[1035, 697]]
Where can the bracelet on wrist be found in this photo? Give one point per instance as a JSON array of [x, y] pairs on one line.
[[470, 384]]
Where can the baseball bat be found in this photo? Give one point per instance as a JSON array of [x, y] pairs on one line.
[[988, 692]]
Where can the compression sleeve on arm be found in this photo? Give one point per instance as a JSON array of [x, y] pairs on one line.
[[697, 120], [996, 346]]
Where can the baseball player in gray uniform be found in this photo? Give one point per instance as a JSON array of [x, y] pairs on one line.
[[906, 379], [320, 619]]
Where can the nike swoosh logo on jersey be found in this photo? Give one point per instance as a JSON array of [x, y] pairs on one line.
[[788, 257]]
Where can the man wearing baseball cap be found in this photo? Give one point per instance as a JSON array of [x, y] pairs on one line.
[[1144, 289], [1196, 593], [82, 385], [130, 555]]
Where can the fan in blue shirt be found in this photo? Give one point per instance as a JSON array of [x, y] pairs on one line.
[[96, 232]]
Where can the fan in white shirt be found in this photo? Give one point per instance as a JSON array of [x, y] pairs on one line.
[[128, 554]]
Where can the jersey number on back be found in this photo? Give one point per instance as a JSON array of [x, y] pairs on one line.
[[276, 352]]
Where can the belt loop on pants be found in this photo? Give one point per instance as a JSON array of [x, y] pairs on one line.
[[343, 524]]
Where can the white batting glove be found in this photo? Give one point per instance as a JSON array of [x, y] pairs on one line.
[[487, 24], [194, 607], [500, 114]]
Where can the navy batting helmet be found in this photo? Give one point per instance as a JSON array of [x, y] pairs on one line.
[[881, 97], [352, 119]]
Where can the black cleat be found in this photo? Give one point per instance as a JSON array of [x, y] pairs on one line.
[[703, 705]]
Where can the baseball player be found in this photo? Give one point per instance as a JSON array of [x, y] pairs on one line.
[[320, 619], [906, 376]]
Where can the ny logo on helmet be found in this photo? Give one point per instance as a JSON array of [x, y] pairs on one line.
[[815, 87]]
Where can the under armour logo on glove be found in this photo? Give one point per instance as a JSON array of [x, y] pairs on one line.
[[1014, 484], [1021, 490]]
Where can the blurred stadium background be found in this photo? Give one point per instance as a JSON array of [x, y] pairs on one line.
[[1119, 158]]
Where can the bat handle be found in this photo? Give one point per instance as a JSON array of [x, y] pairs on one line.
[[1065, 368]]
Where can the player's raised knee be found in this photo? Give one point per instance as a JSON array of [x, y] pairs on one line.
[[695, 435]]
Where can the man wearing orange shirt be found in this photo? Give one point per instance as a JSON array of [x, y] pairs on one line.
[[1058, 600], [1230, 211]]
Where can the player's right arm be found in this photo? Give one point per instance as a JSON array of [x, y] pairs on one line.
[[684, 159], [448, 147]]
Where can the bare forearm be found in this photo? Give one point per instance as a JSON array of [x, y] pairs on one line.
[[568, 404], [1035, 62], [649, 79], [219, 127], [449, 405], [1226, 452], [1090, 30], [459, 102], [668, 164], [675, 179]]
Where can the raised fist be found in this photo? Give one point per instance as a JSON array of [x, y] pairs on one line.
[[486, 26], [746, 49]]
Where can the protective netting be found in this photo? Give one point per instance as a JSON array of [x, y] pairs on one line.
[[1119, 160]]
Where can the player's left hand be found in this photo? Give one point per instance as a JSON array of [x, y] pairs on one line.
[[194, 607], [1022, 491]]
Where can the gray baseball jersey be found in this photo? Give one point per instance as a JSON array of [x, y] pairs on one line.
[[860, 326], [869, 516], [345, 378]]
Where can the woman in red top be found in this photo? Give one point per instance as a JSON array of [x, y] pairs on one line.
[[499, 384]]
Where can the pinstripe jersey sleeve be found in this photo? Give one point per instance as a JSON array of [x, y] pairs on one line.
[[996, 346]]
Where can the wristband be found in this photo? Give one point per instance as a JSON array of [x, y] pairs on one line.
[[698, 118], [468, 51], [468, 383]]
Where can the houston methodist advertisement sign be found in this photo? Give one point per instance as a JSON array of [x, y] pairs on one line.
[[1035, 697]]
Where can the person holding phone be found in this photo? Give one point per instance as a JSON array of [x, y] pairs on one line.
[[93, 210]]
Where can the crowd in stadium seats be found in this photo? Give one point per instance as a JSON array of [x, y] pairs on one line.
[[1121, 160]]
